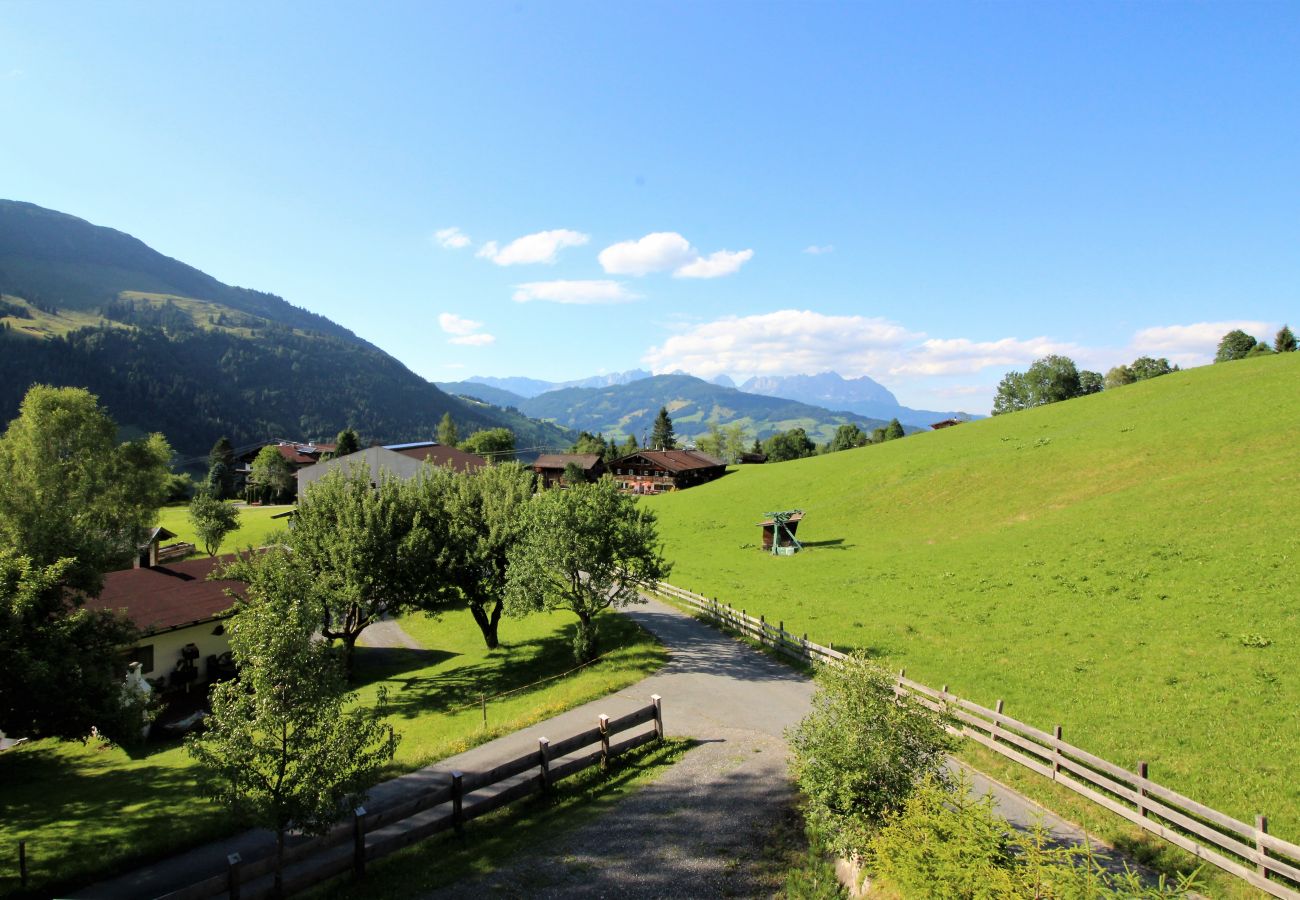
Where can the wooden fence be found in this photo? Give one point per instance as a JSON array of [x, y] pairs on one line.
[[1247, 851], [368, 836]]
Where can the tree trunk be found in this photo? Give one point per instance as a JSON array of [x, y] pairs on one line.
[[487, 622], [584, 641], [349, 645]]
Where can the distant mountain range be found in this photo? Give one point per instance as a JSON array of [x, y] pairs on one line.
[[622, 409], [863, 395], [169, 348]]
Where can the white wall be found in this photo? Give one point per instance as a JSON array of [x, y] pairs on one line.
[[167, 648]]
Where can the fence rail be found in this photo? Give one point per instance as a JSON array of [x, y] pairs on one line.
[[1247, 851], [369, 836]]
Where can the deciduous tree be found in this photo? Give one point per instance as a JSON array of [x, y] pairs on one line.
[[1236, 344], [491, 441], [271, 479], [285, 744], [894, 430], [212, 520], [847, 437], [787, 445], [584, 550]]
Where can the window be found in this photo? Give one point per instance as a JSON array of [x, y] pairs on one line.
[[142, 655]]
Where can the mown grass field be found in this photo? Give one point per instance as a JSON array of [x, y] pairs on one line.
[[256, 526], [89, 810], [1125, 564]]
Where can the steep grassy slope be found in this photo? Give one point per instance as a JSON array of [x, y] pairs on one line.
[[1125, 564]]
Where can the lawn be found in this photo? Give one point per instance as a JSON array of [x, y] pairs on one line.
[[90, 810], [1123, 564], [255, 526]]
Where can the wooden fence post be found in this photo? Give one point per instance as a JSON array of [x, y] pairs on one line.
[[544, 754], [1056, 752], [233, 863], [1142, 788], [359, 841], [762, 629], [458, 801], [603, 724], [22, 863], [659, 715], [1261, 829], [482, 699], [997, 720]]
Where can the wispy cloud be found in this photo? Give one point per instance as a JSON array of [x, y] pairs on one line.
[[668, 251], [451, 239], [961, 356], [822, 250], [584, 293], [465, 331], [541, 247]]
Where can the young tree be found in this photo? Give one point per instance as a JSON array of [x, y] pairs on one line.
[[62, 663], [630, 446], [661, 433], [212, 519], [373, 550], [573, 474], [1260, 349], [714, 443], [448, 434], [272, 478], [860, 752], [847, 437], [584, 550], [347, 443], [69, 490], [1012, 394], [285, 745], [735, 438], [221, 469], [1236, 344], [894, 430], [492, 441], [590, 443], [484, 516], [1285, 341]]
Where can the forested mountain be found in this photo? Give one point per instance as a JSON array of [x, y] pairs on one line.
[[692, 403], [485, 392], [171, 349], [863, 395]]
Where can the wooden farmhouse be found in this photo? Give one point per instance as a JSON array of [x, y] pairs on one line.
[[656, 471], [550, 467], [298, 454], [946, 423], [399, 460]]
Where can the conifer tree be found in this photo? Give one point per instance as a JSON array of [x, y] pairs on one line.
[[661, 434], [1285, 341]]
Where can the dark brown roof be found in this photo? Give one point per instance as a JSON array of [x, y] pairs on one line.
[[166, 597], [676, 460], [449, 457], [797, 517], [587, 461]]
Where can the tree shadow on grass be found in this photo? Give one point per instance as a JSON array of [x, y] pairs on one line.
[[832, 544]]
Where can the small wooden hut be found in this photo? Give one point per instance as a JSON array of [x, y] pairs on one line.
[[779, 532]]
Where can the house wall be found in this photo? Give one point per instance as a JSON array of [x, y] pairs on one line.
[[167, 648]]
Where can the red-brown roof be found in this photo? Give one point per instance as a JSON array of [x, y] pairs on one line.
[[677, 460], [587, 461], [166, 597], [304, 454], [449, 457]]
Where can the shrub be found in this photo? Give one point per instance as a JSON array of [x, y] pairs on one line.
[[858, 754]]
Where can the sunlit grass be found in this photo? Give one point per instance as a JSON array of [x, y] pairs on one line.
[[256, 526]]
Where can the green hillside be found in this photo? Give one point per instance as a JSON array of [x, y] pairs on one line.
[[1125, 564], [623, 409]]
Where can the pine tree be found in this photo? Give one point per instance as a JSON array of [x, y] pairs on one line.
[[1285, 341], [221, 469], [347, 442], [661, 434], [448, 435]]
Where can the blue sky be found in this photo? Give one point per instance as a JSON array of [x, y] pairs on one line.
[[927, 193]]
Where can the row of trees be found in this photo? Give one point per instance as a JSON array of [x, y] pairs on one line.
[[490, 442], [1237, 344]]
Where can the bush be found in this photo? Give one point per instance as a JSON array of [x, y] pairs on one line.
[[859, 753]]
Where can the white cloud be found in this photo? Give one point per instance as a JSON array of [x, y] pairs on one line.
[[454, 324], [1190, 345], [815, 250], [715, 265], [961, 356], [466, 331], [451, 239], [575, 292], [668, 251], [542, 247], [786, 342]]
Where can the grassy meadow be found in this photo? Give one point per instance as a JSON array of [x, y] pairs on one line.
[[1124, 564], [256, 526], [89, 810]]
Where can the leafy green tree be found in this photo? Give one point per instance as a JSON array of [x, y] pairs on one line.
[[788, 445], [272, 477], [178, 487], [1260, 349], [448, 434], [574, 474], [630, 446], [714, 443], [894, 430], [1052, 379], [590, 443], [585, 549], [1090, 383], [1236, 344], [661, 433], [1145, 367], [346, 443], [1119, 376], [221, 469], [1012, 394], [69, 490], [374, 551], [734, 439], [62, 663], [1285, 341], [860, 751], [492, 441], [212, 520], [484, 515], [285, 744], [847, 437]]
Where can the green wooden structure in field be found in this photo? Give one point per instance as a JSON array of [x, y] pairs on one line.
[[779, 532]]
